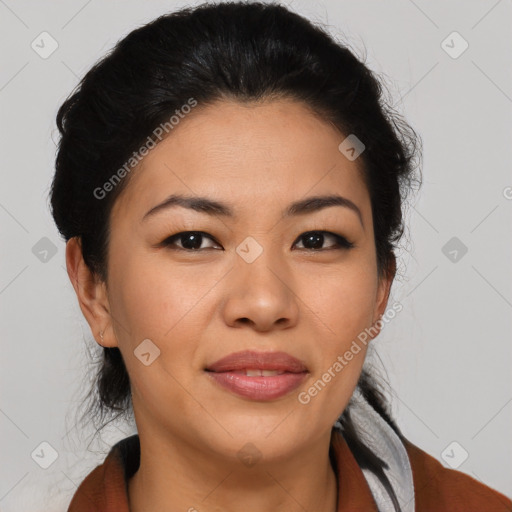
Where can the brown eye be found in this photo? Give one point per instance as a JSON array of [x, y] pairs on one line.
[[189, 240], [314, 240]]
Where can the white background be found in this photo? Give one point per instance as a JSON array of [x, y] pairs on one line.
[[447, 354]]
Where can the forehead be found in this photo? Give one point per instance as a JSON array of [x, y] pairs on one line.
[[244, 154]]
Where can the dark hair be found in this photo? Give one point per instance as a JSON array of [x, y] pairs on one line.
[[245, 52]]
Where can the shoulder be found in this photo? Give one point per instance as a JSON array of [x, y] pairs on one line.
[[105, 488], [439, 488]]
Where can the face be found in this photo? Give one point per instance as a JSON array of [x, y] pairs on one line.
[[255, 278]]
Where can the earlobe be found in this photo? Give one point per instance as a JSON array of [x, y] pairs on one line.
[[91, 294]]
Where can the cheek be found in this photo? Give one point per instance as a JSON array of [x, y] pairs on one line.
[[343, 302], [165, 303], [153, 299], [167, 306]]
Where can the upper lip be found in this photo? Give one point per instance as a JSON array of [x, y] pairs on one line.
[[249, 359]]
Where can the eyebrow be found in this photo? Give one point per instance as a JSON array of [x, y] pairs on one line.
[[212, 207]]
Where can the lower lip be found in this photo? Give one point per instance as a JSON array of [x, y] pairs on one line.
[[259, 388]]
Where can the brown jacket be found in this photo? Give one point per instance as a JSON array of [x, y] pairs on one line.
[[437, 489]]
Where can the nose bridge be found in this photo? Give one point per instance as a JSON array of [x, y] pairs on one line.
[[260, 289]]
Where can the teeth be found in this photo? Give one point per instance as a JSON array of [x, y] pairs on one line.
[[262, 373], [270, 373]]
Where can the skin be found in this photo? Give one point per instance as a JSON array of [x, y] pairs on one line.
[[200, 306]]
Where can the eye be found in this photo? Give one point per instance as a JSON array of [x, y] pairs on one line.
[[311, 240], [190, 241], [314, 240]]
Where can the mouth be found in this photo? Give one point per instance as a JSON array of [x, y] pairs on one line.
[[249, 360], [260, 376], [256, 372]]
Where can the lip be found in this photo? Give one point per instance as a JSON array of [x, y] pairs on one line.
[[237, 361], [228, 373]]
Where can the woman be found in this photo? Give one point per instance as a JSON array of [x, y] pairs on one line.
[[230, 185]]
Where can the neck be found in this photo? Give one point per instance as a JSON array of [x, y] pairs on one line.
[[173, 477]]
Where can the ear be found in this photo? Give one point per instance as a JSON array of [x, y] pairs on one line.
[[384, 288], [91, 292]]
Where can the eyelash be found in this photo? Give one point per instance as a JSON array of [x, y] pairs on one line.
[[341, 242]]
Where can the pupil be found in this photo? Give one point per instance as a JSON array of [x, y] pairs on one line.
[[314, 237], [196, 241]]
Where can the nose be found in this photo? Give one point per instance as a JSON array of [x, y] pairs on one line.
[[260, 295]]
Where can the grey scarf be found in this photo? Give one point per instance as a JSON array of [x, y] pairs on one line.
[[375, 433]]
